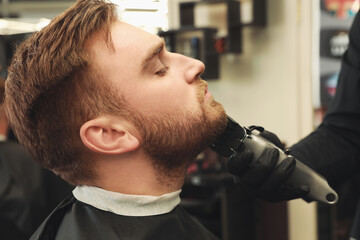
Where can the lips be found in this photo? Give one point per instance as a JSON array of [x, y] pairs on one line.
[[202, 91], [208, 94]]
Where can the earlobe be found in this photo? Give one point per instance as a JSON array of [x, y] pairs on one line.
[[104, 136]]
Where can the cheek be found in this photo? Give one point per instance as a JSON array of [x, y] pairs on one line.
[[165, 97]]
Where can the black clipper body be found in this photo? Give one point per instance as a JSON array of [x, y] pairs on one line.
[[235, 136]]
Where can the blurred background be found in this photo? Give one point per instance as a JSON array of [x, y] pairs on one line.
[[272, 63]]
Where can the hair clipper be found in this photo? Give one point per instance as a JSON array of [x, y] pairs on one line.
[[234, 136]]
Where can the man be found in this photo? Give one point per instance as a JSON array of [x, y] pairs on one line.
[[333, 149], [105, 106]]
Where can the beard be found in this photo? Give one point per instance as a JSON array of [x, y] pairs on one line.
[[173, 141]]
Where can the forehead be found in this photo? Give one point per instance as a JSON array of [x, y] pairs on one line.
[[131, 45], [126, 36]]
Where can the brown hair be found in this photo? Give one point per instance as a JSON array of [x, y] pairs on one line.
[[53, 88]]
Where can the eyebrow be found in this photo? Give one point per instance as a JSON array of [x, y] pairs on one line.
[[153, 52]]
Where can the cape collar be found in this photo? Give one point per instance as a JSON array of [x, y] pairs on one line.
[[127, 205]]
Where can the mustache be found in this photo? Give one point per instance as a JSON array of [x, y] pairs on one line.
[[201, 86]]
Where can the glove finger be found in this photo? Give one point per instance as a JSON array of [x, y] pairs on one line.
[[240, 162], [261, 168], [287, 192], [279, 175], [240, 184], [272, 138]]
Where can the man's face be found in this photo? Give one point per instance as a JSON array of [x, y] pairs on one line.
[[175, 114]]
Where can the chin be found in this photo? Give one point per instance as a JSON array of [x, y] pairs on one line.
[[215, 111]]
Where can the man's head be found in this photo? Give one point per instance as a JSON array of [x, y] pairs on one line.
[[169, 104], [90, 85]]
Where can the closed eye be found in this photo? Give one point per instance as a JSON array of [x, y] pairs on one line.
[[162, 71]]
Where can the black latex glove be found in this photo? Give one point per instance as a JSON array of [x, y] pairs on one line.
[[262, 177]]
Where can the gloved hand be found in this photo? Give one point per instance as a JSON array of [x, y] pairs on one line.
[[262, 177]]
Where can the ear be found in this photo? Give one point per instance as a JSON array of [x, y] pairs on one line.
[[103, 135]]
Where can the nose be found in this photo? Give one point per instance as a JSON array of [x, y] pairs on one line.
[[193, 68]]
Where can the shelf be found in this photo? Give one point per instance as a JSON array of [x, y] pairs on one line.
[[197, 43], [207, 43], [233, 40]]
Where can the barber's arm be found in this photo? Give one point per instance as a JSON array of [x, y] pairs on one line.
[[333, 149]]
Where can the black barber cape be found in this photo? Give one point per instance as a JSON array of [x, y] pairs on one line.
[[75, 220], [28, 193], [22, 200]]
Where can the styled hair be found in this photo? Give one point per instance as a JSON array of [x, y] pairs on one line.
[[53, 87]]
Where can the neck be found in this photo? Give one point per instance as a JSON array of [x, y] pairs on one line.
[[135, 175]]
